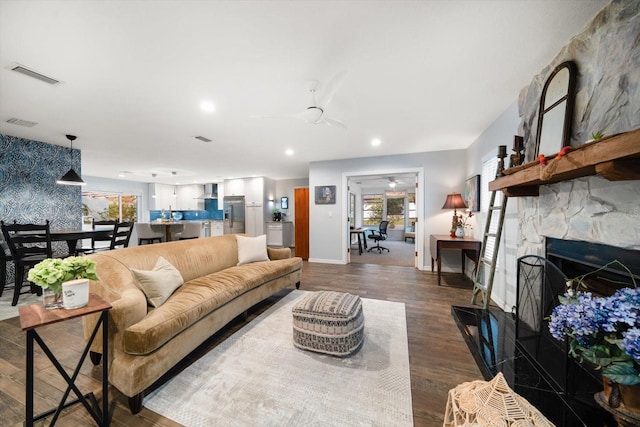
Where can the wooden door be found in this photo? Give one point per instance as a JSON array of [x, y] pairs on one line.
[[301, 206]]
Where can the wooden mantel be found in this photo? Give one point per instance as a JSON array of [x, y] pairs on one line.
[[616, 158]]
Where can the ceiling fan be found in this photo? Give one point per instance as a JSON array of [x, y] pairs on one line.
[[315, 113]]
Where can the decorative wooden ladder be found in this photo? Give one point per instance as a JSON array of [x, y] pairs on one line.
[[493, 237]]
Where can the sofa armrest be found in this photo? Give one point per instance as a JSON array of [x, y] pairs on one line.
[[278, 253]]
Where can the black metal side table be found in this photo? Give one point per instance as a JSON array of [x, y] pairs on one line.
[[33, 316]]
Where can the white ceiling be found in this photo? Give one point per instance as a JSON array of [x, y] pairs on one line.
[[422, 76]]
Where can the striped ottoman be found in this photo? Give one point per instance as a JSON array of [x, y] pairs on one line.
[[328, 322]]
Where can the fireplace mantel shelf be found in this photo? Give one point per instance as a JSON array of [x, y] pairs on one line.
[[616, 158]]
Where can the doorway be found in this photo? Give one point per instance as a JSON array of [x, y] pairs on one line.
[[392, 196]]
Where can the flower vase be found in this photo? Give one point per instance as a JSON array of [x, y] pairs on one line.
[[75, 293], [459, 231], [51, 300], [622, 397]]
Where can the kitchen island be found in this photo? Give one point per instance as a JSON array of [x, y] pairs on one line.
[[210, 227]]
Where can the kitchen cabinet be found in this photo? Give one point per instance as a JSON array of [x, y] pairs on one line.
[[253, 219], [254, 190], [162, 196], [234, 187], [280, 233], [221, 194], [186, 197], [217, 228]]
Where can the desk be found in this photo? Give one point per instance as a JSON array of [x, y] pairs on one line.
[[71, 236], [33, 316], [466, 245], [358, 232]]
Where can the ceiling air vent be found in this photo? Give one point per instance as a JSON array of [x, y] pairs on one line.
[[27, 72], [202, 138], [21, 122]]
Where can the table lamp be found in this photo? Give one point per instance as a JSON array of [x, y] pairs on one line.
[[454, 201]]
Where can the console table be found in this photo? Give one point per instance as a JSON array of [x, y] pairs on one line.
[[33, 316], [466, 245]]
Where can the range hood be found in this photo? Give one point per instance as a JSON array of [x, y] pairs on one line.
[[210, 192]]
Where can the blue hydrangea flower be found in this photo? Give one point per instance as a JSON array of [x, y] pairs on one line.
[[631, 343]]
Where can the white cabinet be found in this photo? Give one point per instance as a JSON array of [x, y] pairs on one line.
[[254, 190], [217, 228], [186, 197], [234, 187], [175, 197], [220, 195], [161, 197], [280, 234], [253, 219]]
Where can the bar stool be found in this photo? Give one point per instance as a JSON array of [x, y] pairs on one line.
[[147, 235]]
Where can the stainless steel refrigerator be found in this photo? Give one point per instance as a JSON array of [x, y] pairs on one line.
[[233, 214]]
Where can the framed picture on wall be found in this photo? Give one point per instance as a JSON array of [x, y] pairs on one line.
[[472, 193], [284, 203], [326, 195]]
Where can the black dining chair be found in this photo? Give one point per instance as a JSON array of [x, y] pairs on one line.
[[28, 244], [121, 235], [378, 235], [107, 225], [5, 257]]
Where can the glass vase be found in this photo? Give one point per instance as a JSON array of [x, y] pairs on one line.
[[51, 300]]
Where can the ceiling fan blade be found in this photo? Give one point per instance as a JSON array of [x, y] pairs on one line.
[[333, 122], [332, 87]]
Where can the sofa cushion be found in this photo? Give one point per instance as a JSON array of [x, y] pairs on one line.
[[159, 283], [199, 297], [252, 249]]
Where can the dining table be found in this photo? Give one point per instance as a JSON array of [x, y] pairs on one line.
[[72, 235]]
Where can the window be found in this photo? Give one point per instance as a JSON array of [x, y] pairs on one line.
[[109, 206], [372, 209], [395, 208]]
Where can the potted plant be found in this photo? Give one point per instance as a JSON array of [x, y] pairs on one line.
[[64, 282], [605, 332]]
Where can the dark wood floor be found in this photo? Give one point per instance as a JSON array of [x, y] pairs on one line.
[[438, 355]]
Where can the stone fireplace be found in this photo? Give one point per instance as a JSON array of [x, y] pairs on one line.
[[571, 228], [607, 55]]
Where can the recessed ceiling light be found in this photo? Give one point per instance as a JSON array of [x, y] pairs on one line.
[[376, 142], [122, 174], [289, 152], [207, 106]]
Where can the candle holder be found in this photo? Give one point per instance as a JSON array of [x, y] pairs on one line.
[[518, 147], [502, 153]]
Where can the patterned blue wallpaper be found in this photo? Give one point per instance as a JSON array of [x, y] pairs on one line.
[[28, 189]]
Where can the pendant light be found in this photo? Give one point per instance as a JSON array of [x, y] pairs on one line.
[[71, 177]]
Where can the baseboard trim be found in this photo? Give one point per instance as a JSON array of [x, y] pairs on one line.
[[327, 261]]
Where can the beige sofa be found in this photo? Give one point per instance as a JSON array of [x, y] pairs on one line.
[[145, 342]]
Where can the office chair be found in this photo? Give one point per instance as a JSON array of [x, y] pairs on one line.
[[378, 235]]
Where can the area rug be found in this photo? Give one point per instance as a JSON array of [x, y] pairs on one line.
[[258, 378]]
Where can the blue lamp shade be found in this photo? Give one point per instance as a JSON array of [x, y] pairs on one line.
[[71, 178]]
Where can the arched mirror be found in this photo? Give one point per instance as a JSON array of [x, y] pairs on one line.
[[556, 110]]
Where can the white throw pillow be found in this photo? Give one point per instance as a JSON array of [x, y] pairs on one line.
[[252, 249], [159, 283]]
